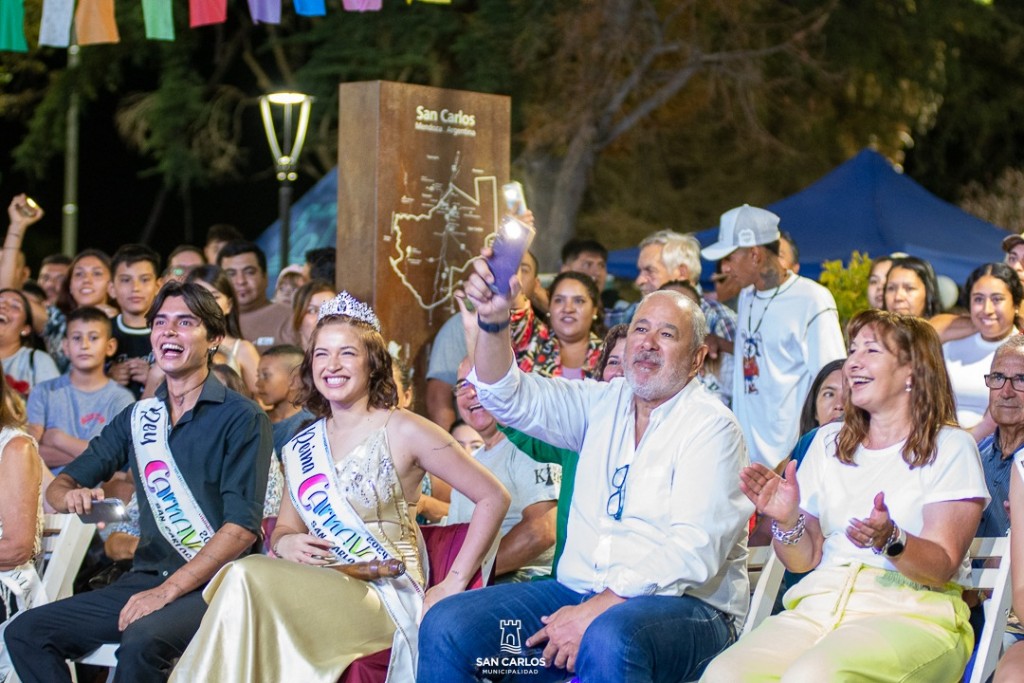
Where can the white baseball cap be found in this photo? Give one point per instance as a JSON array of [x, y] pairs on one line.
[[744, 226]]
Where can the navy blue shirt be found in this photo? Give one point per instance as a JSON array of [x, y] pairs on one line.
[[998, 470], [289, 427], [222, 448]]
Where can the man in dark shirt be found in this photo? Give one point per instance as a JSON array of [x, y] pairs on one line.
[[1006, 406], [220, 445]]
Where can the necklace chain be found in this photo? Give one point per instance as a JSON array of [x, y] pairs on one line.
[[180, 398], [750, 311]]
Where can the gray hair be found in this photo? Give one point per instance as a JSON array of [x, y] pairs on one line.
[[698, 322], [1014, 344], [677, 250]]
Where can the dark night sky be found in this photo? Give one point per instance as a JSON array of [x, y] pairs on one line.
[[116, 198]]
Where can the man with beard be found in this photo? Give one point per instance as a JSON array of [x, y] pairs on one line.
[[651, 584]]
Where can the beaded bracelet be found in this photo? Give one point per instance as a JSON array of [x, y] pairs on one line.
[[792, 536]]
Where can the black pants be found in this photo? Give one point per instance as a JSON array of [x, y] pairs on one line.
[[41, 639]]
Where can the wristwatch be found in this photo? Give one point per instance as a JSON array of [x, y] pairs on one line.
[[897, 542]]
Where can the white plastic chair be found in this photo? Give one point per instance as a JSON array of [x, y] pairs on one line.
[[765, 572], [65, 542], [997, 581]]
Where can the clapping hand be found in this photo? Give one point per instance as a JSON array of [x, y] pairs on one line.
[[773, 496], [875, 529]]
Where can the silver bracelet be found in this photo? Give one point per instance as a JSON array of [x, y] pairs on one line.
[[792, 536]]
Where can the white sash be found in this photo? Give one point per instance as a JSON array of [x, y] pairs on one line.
[[313, 485], [178, 517]]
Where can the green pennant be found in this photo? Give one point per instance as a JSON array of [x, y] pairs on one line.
[[159, 19], [12, 26]]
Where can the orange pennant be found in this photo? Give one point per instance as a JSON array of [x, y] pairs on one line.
[[94, 22]]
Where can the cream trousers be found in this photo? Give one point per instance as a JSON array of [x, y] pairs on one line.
[[854, 623]]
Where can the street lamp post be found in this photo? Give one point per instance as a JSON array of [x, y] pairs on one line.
[[286, 151]]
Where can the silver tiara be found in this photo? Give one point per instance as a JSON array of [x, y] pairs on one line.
[[347, 305]]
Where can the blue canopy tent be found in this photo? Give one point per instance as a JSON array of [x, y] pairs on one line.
[[313, 220], [866, 205]]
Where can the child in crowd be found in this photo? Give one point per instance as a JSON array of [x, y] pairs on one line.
[[277, 387], [134, 286], [66, 412]]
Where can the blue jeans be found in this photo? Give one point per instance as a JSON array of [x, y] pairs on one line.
[[474, 635]]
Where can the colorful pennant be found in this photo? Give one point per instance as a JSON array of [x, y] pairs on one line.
[[206, 12], [159, 18], [361, 5], [55, 26], [265, 11], [310, 8], [12, 26], [94, 22]]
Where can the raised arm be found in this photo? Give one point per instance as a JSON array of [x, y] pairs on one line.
[[19, 223], [493, 354]]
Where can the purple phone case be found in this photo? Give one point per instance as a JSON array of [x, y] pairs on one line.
[[508, 254]]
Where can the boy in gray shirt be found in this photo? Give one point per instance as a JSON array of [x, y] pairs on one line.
[[66, 412]]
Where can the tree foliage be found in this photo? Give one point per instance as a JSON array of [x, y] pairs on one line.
[[628, 115]]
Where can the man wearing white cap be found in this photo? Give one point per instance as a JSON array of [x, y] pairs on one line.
[[788, 328]]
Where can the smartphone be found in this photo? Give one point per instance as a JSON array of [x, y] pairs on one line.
[[515, 199], [108, 511], [30, 209], [512, 239]]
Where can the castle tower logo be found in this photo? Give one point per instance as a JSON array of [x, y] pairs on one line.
[[511, 641]]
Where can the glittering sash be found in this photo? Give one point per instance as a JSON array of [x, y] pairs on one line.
[[178, 517], [319, 498]]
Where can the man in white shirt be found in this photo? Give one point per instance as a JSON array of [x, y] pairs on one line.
[[787, 330], [652, 582]]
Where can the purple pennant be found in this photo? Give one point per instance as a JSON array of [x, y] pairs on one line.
[[362, 5], [310, 8], [265, 11]]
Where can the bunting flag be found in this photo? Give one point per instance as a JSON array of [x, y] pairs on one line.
[[94, 22], [206, 12], [159, 19], [55, 27], [12, 26], [362, 5], [265, 11], [310, 8]]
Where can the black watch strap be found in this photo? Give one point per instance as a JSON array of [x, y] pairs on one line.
[[492, 328]]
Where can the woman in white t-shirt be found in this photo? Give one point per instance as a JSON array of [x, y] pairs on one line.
[[884, 511], [994, 293]]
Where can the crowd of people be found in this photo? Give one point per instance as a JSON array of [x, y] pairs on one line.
[[605, 464]]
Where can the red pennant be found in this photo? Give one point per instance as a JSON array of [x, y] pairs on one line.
[[206, 12]]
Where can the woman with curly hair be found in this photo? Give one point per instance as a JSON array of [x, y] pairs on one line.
[[352, 478]]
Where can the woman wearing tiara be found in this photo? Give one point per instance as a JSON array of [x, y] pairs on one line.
[[353, 478]]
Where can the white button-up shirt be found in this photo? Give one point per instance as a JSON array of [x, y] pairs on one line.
[[684, 519]]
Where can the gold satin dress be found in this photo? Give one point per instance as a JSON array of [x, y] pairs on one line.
[[274, 620]]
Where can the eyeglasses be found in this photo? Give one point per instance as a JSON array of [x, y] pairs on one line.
[[996, 380], [461, 387], [618, 497]]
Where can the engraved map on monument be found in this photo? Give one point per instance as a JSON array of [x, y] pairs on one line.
[[446, 213]]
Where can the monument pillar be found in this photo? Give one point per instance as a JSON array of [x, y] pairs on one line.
[[420, 171]]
